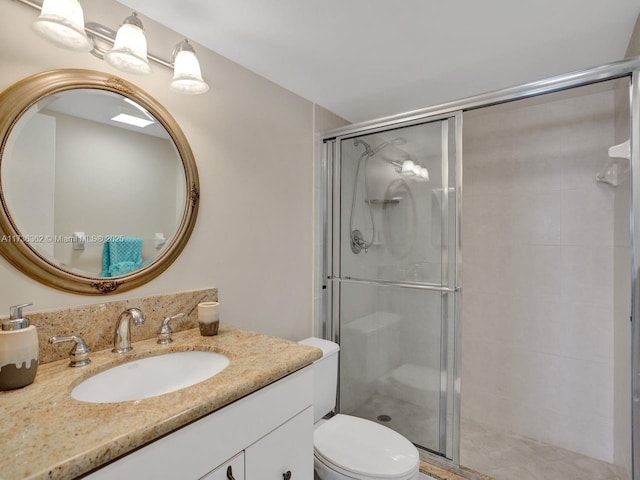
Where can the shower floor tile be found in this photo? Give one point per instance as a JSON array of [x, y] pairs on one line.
[[418, 424], [506, 457], [498, 455]]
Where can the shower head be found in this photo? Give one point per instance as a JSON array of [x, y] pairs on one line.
[[367, 148]]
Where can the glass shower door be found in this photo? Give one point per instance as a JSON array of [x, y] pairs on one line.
[[395, 254]]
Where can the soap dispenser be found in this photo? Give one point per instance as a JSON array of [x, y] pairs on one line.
[[18, 350]]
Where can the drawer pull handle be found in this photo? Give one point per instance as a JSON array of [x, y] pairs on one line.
[[287, 476], [230, 473]]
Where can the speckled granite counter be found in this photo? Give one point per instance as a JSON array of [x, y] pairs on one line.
[[44, 433]]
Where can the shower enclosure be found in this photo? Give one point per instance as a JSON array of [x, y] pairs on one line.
[[394, 258]]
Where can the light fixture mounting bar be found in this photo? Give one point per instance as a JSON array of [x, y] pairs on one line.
[[96, 30]]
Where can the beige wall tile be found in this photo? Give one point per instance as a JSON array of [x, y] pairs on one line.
[[538, 270]]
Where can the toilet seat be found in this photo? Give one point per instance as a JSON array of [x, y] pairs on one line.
[[364, 450]]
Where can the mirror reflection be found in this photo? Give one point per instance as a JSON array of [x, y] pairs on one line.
[[93, 182]]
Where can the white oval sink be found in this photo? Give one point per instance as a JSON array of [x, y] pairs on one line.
[[150, 377]]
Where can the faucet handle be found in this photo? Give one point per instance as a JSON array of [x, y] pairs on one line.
[[79, 354], [164, 334]]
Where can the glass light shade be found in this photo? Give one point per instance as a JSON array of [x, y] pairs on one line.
[[407, 167], [129, 52], [424, 173], [62, 23], [187, 77], [417, 170]]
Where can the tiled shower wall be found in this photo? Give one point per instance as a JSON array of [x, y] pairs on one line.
[[622, 287], [538, 243], [622, 294]]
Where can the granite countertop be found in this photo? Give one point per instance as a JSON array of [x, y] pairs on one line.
[[44, 433]]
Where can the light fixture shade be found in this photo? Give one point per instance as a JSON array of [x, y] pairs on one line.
[[407, 167], [129, 52], [424, 173], [62, 23], [187, 77]]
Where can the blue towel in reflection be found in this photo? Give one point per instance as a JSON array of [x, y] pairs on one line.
[[121, 256]]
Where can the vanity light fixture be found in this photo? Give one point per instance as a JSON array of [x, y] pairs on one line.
[[187, 77], [62, 23], [129, 52], [408, 168]]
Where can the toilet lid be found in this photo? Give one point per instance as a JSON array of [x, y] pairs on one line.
[[360, 447]]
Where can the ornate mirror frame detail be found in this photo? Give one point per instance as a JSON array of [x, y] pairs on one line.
[[19, 98]]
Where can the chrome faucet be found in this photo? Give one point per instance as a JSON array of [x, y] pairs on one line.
[[122, 337]]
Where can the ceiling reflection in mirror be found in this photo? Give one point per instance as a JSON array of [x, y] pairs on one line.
[[93, 182]]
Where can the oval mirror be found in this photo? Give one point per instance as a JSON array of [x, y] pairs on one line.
[[98, 184]]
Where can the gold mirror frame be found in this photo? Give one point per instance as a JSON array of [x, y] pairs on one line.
[[20, 97]]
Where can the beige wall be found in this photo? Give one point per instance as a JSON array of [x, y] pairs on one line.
[[633, 49], [254, 145]]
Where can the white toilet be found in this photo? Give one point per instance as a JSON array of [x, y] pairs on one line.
[[346, 447]]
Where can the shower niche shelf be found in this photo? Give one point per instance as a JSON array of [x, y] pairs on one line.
[[617, 168], [622, 150]]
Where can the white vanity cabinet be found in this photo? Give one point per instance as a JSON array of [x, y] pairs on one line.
[[262, 436], [284, 453], [231, 470]]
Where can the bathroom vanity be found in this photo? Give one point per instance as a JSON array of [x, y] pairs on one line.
[[262, 436], [253, 420]]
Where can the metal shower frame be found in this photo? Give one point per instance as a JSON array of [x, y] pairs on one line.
[[623, 68]]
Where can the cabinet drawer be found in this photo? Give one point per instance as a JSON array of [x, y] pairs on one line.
[[289, 448], [233, 469]]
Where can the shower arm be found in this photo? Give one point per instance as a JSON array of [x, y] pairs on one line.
[[372, 151]]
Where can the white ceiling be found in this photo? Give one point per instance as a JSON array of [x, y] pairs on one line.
[[364, 59]]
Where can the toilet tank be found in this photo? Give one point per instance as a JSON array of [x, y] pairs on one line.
[[325, 376]]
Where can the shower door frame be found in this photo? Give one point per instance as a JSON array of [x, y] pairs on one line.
[[450, 354], [624, 68]]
